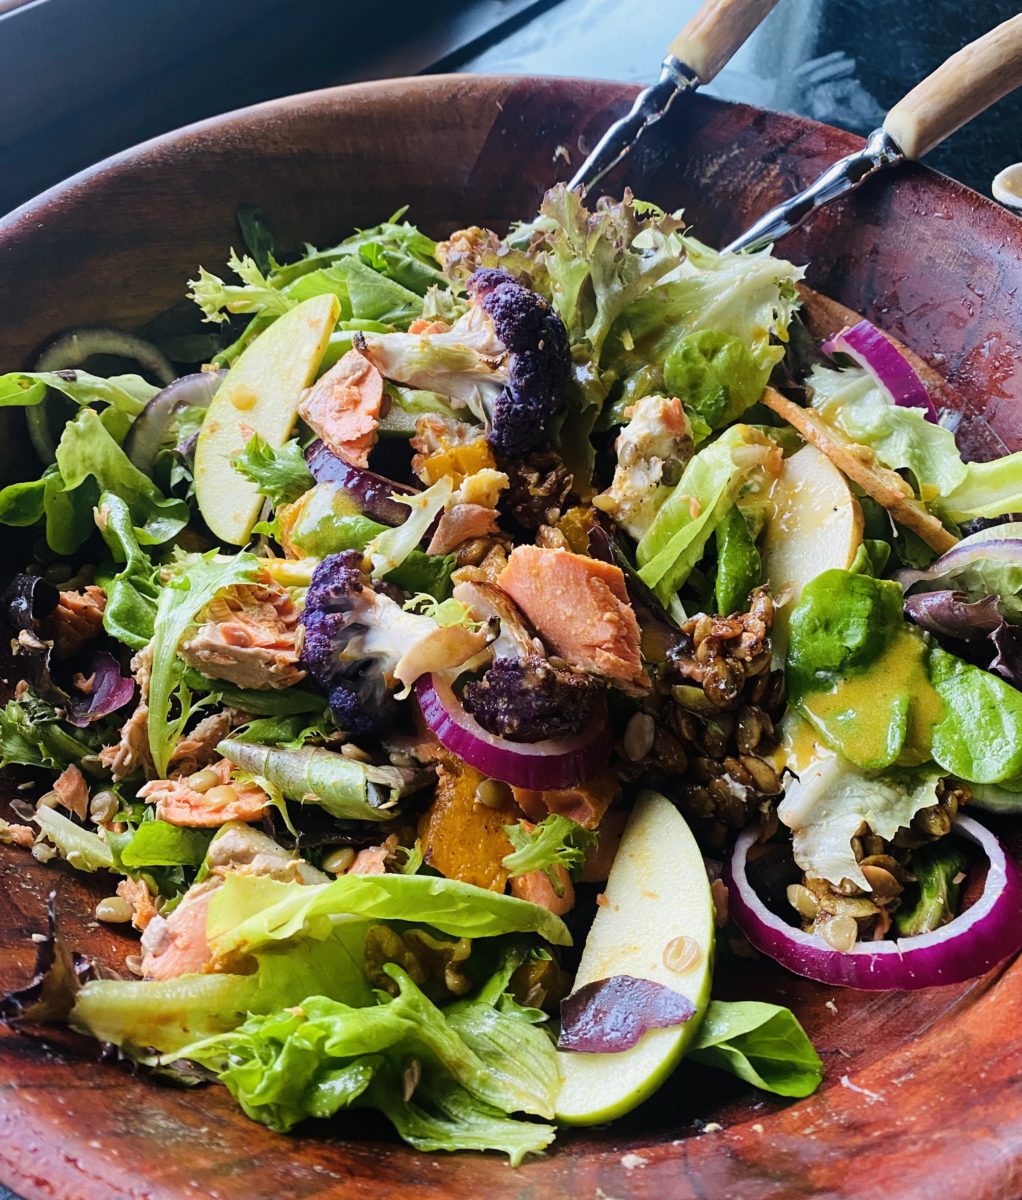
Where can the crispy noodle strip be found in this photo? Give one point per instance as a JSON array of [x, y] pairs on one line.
[[886, 487]]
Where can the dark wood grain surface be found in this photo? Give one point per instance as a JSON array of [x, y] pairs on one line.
[[923, 1091]]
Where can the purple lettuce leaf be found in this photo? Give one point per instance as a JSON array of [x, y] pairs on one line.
[[610, 1015], [110, 691], [1007, 641]]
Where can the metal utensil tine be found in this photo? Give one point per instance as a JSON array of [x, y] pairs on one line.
[[843, 177], [650, 105]]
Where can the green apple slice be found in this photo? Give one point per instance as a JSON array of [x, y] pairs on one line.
[[260, 395], [657, 893]]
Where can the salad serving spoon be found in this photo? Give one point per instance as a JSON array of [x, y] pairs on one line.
[[707, 43], [977, 76]]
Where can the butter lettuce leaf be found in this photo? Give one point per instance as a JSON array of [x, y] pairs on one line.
[[979, 736], [764, 1044], [446, 1083], [249, 913], [706, 492], [829, 801], [130, 582], [88, 454], [902, 438], [987, 489], [715, 376]]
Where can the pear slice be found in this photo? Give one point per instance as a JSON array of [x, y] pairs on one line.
[[657, 894], [816, 526], [260, 395]]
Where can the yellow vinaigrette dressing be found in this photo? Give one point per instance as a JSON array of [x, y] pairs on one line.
[[861, 706]]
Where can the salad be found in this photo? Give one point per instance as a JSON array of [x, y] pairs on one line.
[[447, 653]]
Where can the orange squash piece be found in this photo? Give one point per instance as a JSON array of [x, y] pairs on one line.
[[462, 838]]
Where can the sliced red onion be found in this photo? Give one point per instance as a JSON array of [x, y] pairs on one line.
[[539, 766], [975, 941], [149, 429], [110, 691], [372, 493], [891, 370], [71, 349], [1005, 550], [610, 1015]]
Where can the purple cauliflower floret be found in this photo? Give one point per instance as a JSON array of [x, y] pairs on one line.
[[361, 645], [506, 360], [538, 362], [529, 700], [338, 606]]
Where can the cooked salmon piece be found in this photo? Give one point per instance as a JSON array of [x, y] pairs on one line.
[[249, 636], [459, 524], [580, 608], [76, 620], [137, 894], [13, 834], [343, 407], [373, 859], [131, 753], [537, 889], [197, 747], [73, 791], [177, 945], [421, 325], [180, 802], [584, 804]]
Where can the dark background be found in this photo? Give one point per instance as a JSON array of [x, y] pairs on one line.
[[81, 79]]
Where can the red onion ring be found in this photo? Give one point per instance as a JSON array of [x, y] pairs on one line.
[[146, 435], [975, 941], [539, 766], [893, 374]]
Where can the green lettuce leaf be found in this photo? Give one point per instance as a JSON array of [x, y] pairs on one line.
[[159, 844], [249, 913], [394, 248], [87, 452], [388, 550], [555, 841], [347, 789], [442, 1088], [80, 847], [842, 624], [599, 263], [127, 393], [677, 538], [131, 583], [857, 671], [267, 703], [979, 736], [752, 297], [828, 803], [196, 580], [715, 376], [739, 566], [162, 1015], [279, 473], [902, 438], [255, 293], [987, 489], [32, 736], [761, 1043]]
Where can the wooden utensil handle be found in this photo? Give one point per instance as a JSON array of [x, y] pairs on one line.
[[969, 82], [713, 35]]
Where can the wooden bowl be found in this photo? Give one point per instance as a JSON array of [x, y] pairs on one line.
[[923, 1090]]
